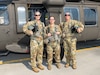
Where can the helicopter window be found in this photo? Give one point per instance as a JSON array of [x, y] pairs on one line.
[[90, 16], [74, 12], [21, 16], [4, 18]]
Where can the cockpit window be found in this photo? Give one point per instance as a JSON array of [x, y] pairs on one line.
[[4, 17], [74, 12], [90, 16]]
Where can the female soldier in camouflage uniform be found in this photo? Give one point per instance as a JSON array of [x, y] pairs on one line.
[[53, 33], [69, 29], [35, 29]]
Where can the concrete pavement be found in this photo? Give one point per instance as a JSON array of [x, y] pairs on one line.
[[88, 63]]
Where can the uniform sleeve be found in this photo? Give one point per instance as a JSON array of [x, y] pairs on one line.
[[80, 25], [43, 29], [59, 29], [45, 32], [25, 28], [61, 26]]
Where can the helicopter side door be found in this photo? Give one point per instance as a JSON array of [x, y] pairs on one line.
[[6, 28]]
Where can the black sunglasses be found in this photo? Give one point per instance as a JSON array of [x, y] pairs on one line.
[[67, 15], [37, 15]]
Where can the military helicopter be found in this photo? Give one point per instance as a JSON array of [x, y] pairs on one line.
[[15, 13]]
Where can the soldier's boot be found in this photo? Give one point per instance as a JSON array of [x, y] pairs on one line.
[[35, 69], [58, 65], [40, 66], [49, 67], [74, 66], [74, 63], [68, 62], [67, 65]]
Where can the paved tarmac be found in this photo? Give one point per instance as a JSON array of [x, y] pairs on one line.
[[88, 63]]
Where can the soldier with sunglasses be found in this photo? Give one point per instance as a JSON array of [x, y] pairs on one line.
[[35, 29], [69, 29]]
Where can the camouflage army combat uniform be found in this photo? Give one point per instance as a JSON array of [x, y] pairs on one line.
[[69, 41], [36, 42], [53, 45]]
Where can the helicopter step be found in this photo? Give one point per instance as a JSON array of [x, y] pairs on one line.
[[17, 48]]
